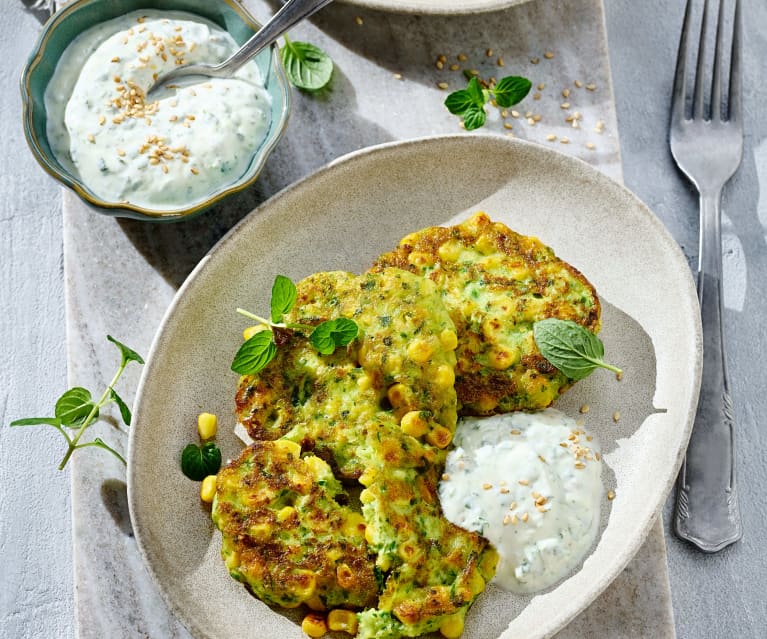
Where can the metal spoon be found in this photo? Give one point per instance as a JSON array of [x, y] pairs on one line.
[[292, 12]]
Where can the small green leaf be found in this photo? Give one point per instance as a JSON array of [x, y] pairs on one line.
[[511, 90], [124, 410], [283, 297], [307, 67], [474, 89], [328, 336], [574, 350], [255, 354], [74, 406], [35, 421], [474, 118], [127, 354], [458, 102], [197, 462]]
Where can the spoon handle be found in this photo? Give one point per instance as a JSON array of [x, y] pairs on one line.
[[291, 13]]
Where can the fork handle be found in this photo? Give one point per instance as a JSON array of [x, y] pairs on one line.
[[707, 512]]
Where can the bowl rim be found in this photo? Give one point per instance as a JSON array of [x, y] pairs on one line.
[[119, 209]]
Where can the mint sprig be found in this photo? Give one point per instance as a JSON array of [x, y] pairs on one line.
[[469, 103], [308, 67], [256, 353], [77, 409]]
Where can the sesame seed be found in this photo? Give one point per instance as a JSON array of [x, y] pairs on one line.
[[504, 113], [548, 55], [359, 21], [551, 137], [502, 482], [537, 117], [514, 114], [536, 96], [439, 64], [102, 119], [565, 141], [461, 57], [543, 459], [508, 125], [514, 520], [565, 93], [173, 118], [397, 76], [196, 171], [154, 160], [564, 105], [504, 491], [506, 520], [541, 508], [443, 85], [500, 62], [445, 476], [164, 168], [585, 408], [619, 375], [140, 19], [575, 124], [487, 486], [178, 28], [524, 517], [513, 505], [610, 495], [515, 431], [563, 444], [541, 86], [616, 416], [121, 153], [591, 87], [578, 83], [580, 465], [534, 60], [524, 482], [597, 456], [531, 122], [186, 124], [473, 72], [589, 438], [91, 138], [454, 67]]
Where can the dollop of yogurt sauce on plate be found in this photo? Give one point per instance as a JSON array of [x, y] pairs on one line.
[[531, 484], [172, 149]]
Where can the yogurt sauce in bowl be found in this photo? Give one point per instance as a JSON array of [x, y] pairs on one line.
[[176, 148], [531, 484]]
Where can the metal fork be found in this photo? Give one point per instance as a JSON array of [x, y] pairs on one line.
[[708, 150]]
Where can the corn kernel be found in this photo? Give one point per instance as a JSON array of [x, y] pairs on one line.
[[475, 223], [501, 358], [208, 489], [452, 628], [314, 625], [420, 350], [399, 395], [365, 382], [486, 404], [485, 244], [445, 376], [439, 436], [232, 560], [368, 476], [252, 330], [315, 603], [370, 535], [408, 551], [366, 497], [354, 525], [345, 577], [343, 620], [414, 424], [306, 589], [318, 466], [417, 258], [409, 239], [383, 562], [448, 339], [283, 514], [287, 447], [450, 251], [206, 425]]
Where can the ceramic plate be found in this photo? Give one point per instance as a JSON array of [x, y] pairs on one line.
[[341, 218], [442, 7]]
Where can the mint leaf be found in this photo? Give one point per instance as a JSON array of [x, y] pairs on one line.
[[574, 350], [511, 90], [74, 406], [307, 67], [283, 297], [255, 354], [197, 462], [36, 421], [124, 410], [328, 336], [126, 354], [474, 118]]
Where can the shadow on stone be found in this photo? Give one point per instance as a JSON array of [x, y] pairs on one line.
[[114, 494]]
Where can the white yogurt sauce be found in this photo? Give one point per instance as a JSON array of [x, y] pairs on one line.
[[172, 150], [531, 484]]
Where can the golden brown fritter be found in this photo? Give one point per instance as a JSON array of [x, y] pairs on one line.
[[496, 284]]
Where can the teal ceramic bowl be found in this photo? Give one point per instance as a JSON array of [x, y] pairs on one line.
[[77, 17]]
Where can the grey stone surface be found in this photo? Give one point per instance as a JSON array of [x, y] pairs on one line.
[[713, 596]]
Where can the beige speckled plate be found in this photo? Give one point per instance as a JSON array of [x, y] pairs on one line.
[[436, 7], [341, 218]]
